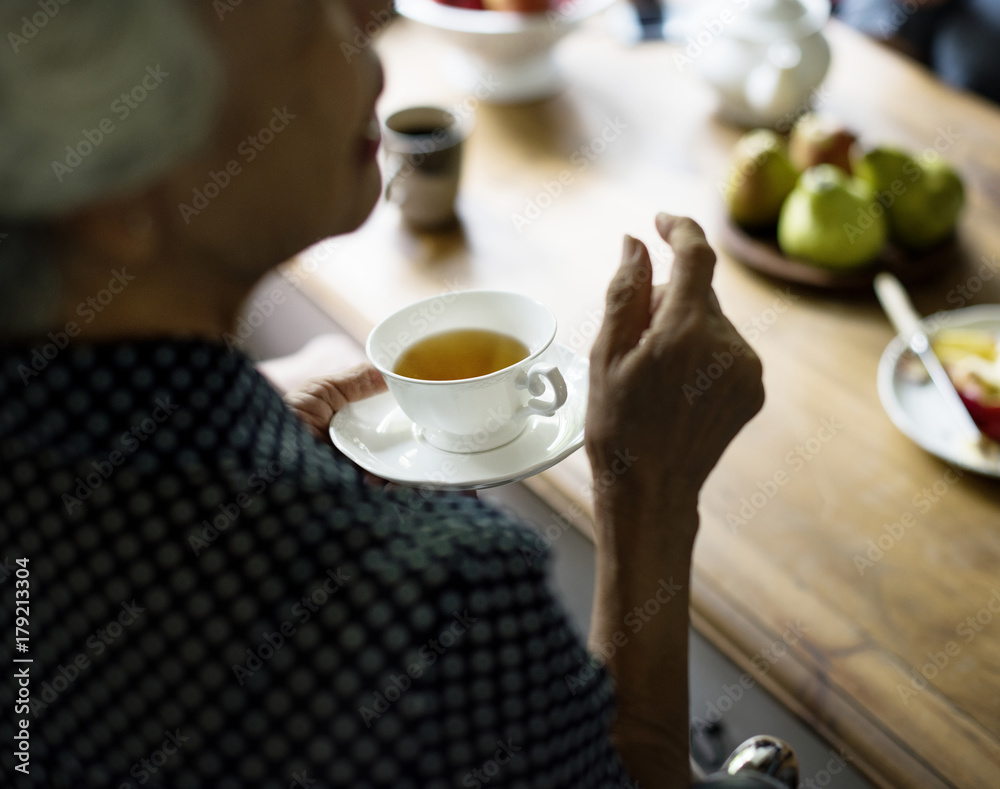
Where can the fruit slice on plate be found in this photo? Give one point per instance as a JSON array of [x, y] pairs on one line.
[[972, 359]]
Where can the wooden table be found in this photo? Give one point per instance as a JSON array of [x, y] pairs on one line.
[[848, 475]]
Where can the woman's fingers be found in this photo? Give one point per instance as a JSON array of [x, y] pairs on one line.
[[690, 283], [319, 399], [627, 312], [354, 384]]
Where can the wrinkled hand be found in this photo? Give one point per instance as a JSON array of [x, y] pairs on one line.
[[644, 403], [318, 399]]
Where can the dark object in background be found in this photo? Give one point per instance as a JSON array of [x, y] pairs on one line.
[[651, 16], [958, 39]]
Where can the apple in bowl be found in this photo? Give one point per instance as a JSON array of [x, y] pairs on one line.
[[501, 50], [520, 6], [514, 6]]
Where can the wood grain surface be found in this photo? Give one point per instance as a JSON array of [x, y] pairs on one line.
[[889, 666]]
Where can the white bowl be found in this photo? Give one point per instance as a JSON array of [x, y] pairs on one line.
[[501, 56]]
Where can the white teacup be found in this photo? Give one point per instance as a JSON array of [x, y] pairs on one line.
[[472, 414]]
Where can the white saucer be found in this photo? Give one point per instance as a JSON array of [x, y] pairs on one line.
[[380, 438], [917, 408]]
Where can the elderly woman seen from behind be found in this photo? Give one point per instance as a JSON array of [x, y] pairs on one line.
[[217, 598]]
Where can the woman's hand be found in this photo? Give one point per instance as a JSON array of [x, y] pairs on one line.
[[318, 399], [654, 431]]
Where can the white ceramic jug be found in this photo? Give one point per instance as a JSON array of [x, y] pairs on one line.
[[767, 58]]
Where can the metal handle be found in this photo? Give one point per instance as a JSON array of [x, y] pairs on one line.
[[768, 756], [762, 762], [897, 305]]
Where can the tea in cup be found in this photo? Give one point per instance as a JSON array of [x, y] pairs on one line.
[[467, 367]]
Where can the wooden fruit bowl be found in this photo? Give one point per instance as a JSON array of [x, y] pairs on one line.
[[761, 253]]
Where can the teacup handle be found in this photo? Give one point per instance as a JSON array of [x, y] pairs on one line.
[[395, 162], [534, 381]]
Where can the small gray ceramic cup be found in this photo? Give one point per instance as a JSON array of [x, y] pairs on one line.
[[423, 152]]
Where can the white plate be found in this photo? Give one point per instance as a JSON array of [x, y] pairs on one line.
[[380, 438], [919, 410]]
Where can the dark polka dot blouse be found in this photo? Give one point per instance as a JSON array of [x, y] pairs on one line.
[[215, 599]]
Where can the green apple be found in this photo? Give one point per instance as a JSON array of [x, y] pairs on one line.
[[760, 179], [883, 166], [926, 213], [827, 220], [922, 199]]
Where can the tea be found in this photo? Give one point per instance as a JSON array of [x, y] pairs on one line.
[[422, 131], [461, 353]]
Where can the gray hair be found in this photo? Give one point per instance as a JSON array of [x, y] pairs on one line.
[[97, 98]]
